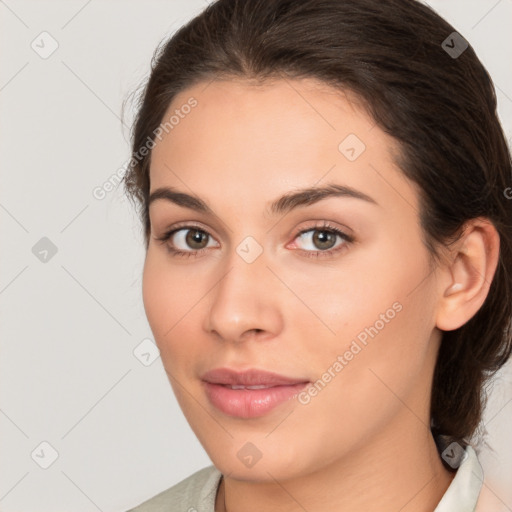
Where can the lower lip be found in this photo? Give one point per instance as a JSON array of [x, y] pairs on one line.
[[250, 403]]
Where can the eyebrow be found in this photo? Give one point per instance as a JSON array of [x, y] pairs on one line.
[[284, 204]]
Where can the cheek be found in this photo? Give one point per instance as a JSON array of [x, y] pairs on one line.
[[371, 311], [366, 291], [338, 301], [382, 346], [169, 300], [157, 297]]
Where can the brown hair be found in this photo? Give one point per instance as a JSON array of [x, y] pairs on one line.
[[439, 106]]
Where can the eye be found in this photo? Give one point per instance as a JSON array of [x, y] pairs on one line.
[[320, 241], [186, 240]]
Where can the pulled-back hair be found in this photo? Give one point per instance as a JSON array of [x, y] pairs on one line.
[[440, 106]]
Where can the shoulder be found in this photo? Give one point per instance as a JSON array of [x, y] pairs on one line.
[[195, 493]]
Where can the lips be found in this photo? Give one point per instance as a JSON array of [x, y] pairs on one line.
[[251, 393], [248, 378]]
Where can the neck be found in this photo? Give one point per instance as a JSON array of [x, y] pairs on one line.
[[398, 470]]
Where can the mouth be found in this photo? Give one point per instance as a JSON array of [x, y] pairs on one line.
[[249, 394]]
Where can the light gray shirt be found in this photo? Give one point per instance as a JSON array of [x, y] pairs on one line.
[[197, 492]]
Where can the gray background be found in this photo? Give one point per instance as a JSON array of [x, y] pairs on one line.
[[74, 374]]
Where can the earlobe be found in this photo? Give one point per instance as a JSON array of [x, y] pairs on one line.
[[469, 275]]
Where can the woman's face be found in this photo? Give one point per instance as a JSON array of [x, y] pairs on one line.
[[352, 314]]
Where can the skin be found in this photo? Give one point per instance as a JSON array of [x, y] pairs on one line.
[[363, 442]]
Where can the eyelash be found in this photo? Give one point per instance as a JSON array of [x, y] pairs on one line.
[[310, 254]]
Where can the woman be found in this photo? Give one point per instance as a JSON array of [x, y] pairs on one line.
[[322, 186]]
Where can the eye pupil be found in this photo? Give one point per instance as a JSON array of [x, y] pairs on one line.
[[321, 239]]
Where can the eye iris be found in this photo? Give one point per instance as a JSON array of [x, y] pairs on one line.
[[321, 237], [195, 236]]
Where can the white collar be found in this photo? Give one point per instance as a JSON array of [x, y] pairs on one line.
[[462, 494]]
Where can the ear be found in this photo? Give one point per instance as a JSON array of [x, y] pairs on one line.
[[467, 276]]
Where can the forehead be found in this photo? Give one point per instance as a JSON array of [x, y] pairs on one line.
[[242, 138], [273, 105]]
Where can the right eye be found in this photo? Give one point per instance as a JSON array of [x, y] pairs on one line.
[[186, 240]]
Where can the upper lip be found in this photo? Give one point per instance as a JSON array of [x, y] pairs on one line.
[[251, 377]]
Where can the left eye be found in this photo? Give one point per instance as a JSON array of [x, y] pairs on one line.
[[322, 239]]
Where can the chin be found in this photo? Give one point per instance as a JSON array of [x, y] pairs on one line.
[[260, 460]]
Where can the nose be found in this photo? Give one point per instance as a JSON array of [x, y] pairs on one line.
[[245, 302]]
